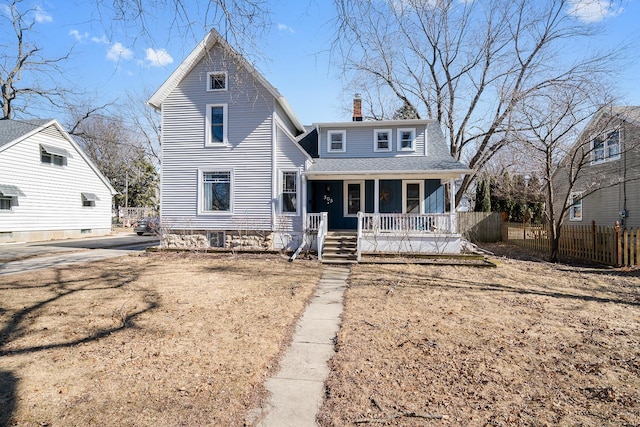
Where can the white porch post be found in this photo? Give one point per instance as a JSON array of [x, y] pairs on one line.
[[303, 201], [376, 195], [452, 206]]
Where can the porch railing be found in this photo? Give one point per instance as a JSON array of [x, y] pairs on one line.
[[313, 222], [403, 223]]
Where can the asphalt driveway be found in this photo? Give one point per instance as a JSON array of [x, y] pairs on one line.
[[21, 257]]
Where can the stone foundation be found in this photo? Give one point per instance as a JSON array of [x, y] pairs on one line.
[[195, 240]]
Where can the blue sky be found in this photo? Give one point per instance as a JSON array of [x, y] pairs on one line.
[[108, 62]]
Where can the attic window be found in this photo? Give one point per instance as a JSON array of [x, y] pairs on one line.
[[53, 155], [606, 147], [217, 81]]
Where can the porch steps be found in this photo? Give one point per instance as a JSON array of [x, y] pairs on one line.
[[340, 248]]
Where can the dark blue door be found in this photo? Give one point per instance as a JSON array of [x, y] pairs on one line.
[[327, 196]]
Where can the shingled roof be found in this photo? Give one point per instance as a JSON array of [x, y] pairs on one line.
[[10, 130]]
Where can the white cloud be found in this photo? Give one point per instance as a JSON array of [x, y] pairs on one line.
[[158, 58], [100, 40], [79, 37], [41, 16], [118, 52], [283, 27], [591, 11]]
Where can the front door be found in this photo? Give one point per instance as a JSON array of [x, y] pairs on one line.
[[327, 196]]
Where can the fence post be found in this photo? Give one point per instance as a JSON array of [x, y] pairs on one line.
[[618, 244]]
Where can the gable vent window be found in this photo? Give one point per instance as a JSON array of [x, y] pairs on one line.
[[89, 199], [217, 81], [53, 155]]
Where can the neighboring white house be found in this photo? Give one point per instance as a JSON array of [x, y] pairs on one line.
[[49, 189], [239, 169]]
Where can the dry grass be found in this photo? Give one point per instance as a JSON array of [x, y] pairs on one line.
[[157, 340], [525, 344]]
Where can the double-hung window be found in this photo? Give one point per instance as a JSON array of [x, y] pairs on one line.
[[216, 191], [575, 209], [606, 147], [217, 81], [336, 141], [289, 200], [381, 140], [413, 196], [216, 124], [406, 139]]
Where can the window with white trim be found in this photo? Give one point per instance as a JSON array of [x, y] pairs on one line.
[[336, 141], [606, 147], [412, 195], [216, 125], [217, 81], [354, 202], [406, 139], [216, 191], [575, 209], [289, 195], [382, 140]]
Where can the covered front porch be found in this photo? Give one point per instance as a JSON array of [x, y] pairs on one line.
[[386, 214]]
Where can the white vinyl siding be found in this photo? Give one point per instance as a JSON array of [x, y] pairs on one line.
[[248, 152], [52, 195], [361, 142]]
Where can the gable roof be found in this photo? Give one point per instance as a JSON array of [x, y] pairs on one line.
[[210, 40], [14, 131], [629, 113]]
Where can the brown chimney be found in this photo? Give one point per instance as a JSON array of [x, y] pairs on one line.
[[357, 108]]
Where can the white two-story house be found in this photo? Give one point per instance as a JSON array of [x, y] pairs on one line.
[[239, 169]]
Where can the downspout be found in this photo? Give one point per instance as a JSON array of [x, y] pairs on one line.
[[274, 170]]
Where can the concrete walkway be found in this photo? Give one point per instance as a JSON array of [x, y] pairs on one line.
[[297, 390]]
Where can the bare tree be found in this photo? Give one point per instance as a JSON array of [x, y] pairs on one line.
[[241, 22], [119, 152], [560, 146], [25, 71], [468, 64]]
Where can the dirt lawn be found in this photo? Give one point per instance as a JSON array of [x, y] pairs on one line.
[[524, 344], [155, 340]]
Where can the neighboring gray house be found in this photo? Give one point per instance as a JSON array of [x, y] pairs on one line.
[[49, 189], [239, 169], [608, 186]]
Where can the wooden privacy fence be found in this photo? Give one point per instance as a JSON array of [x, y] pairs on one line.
[[607, 245], [480, 226]]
